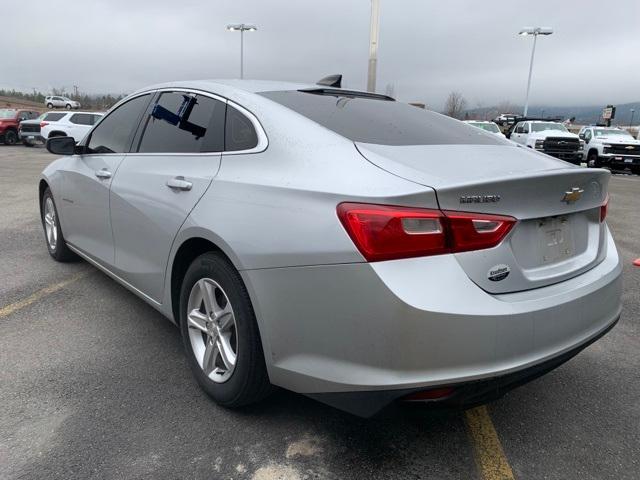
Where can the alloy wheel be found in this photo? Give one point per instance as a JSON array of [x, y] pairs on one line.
[[50, 223], [212, 329]]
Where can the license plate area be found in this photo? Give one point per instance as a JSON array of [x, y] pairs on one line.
[[555, 239]]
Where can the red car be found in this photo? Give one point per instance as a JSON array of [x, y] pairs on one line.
[[9, 121]]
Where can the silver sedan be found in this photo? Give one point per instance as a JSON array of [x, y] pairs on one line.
[[337, 243]]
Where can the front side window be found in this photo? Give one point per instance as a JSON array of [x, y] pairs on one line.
[[519, 128], [182, 122], [114, 134], [239, 132], [53, 117]]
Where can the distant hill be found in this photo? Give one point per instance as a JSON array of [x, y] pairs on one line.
[[584, 115], [12, 102]]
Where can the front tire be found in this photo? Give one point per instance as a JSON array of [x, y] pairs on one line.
[[220, 333], [635, 170], [56, 244], [593, 160], [10, 137]]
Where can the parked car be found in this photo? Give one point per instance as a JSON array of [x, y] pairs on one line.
[[29, 130], [610, 147], [57, 101], [9, 121], [490, 127], [551, 138], [75, 125], [298, 241]]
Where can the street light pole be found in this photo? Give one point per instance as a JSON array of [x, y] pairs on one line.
[[241, 27], [633, 111], [535, 31], [373, 45]]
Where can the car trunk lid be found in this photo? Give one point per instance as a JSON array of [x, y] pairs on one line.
[[558, 235]]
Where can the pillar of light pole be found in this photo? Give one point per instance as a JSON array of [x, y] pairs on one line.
[[535, 31], [373, 45], [241, 27], [633, 111]]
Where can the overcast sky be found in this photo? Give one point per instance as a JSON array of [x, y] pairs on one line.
[[427, 48]]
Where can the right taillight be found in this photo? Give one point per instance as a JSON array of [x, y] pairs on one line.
[[603, 209], [385, 232]]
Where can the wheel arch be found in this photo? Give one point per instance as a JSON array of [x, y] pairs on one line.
[[42, 186], [189, 249]]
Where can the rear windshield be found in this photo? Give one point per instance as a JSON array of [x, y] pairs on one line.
[[383, 122]]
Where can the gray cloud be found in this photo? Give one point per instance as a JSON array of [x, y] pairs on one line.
[[427, 48]]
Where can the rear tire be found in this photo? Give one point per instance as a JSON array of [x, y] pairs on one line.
[[10, 137], [50, 106], [27, 144], [53, 236], [68, 106], [237, 377]]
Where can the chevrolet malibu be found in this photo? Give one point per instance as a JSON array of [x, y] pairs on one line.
[[337, 243]]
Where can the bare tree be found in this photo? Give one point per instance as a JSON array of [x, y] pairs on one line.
[[455, 105]]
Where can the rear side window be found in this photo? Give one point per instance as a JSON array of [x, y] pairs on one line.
[[53, 117], [82, 119], [384, 122], [95, 118], [239, 132], [114, 133], [184, 123]]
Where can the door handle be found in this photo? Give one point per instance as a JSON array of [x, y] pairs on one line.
[[103, 174], [179, 183]]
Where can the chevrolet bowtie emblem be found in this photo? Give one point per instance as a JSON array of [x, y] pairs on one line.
[[573, 195], [629, 147]]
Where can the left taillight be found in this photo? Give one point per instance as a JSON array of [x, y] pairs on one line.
[[43, 124], [385, 232]]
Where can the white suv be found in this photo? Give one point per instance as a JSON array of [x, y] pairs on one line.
[[611, 147], [551, 138], [74, 125], [61, 102]]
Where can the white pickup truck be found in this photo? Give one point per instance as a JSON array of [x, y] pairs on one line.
[[551, 138], [610, 147]]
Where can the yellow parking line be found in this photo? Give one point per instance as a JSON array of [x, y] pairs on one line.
[[490, 457], [34, 297]]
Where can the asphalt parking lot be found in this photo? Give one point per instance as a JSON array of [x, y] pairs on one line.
[[94, 384]]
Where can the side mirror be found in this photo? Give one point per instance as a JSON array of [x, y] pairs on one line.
[[581, 135], [61, 145]]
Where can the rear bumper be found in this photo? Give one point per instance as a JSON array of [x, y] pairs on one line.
[[402, 326], [464, 395]]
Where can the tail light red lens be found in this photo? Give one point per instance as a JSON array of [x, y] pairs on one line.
[[384, 232], [604, 209], [43, 124]]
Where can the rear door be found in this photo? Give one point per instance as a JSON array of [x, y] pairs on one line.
[[87, 180], [174, 159]]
